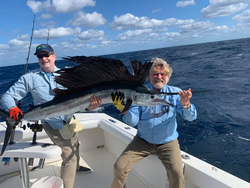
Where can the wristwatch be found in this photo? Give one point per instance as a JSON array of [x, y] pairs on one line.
[[186, 106]]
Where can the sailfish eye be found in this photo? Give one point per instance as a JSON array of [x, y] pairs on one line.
[[152, 96]]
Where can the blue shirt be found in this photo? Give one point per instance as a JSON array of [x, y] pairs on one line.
[[41, 88], [155, 125]]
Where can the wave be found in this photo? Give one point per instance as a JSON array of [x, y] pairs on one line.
[[242, 138], [194, 54]]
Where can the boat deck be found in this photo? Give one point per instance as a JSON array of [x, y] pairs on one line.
[[100, 161]]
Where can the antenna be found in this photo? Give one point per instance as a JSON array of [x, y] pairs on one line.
[[25, 70], [48, 37]]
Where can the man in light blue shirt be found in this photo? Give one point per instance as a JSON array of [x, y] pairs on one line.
[[40, 83], [157, 129]]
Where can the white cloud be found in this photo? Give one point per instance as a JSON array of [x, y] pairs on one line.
[[59, 6], [172, 34], [56, 32], [91, 35], [156, 10], [243, 17], [129, 21], [71, 5], [130, 34], [17, 42], [23, 37], [88, 20], [200, 29], [185, 3], [218, 8], [46, 16], [50, 24], [245, 26], [4, 46], [197, 26], [35, 6], [106, 42]]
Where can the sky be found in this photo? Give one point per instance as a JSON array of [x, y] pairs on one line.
[[100, 27]]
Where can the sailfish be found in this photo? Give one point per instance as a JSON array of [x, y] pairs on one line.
[[97, 76]]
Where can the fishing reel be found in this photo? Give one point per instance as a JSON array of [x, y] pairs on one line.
[[35, 127]]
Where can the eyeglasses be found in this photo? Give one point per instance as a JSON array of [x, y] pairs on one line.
[[40, 56], [162, 74]]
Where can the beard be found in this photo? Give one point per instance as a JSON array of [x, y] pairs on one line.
[[159, 83]]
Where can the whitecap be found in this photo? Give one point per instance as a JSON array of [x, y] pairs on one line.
[[194, 54], [240, 137]]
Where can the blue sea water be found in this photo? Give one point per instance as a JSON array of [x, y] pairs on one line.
[[221, 134]]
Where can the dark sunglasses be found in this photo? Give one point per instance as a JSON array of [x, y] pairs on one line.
[[40, 56]]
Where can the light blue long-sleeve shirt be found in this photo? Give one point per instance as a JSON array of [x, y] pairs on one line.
[[154, 124], [41, 88]]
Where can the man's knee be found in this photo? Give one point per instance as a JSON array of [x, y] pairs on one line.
[[121, 166], [118, 166]]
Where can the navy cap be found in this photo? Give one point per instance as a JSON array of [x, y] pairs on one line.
[[44, 48]]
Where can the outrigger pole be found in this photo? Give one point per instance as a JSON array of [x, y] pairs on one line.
[[26, 66], [48, 37]]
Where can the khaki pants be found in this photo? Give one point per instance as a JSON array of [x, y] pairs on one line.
[[168, 153], [70, 154]]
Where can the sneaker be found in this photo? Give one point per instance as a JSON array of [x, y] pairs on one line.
[[84, 170]]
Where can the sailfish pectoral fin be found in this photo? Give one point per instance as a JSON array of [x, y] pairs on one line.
[[11, 125], [127, 106], [9, 130]]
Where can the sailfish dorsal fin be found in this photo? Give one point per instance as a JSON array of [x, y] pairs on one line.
[[98, 70]]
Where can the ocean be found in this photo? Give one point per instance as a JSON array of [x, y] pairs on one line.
[[221, 133]]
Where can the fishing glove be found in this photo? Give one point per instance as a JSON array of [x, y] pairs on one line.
[[15, 113], [117, 99]]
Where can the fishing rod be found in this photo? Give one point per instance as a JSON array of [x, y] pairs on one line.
[[24, 72], [11, 127]]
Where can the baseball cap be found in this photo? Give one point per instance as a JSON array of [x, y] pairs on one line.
[[43, 48]]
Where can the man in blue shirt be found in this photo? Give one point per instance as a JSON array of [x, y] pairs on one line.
[[40, 83], [157, 129]]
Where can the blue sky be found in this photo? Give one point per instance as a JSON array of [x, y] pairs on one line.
[[99, 27]]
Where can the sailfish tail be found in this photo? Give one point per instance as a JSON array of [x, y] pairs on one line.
[[11, 124]]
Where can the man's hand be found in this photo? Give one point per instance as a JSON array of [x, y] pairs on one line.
[[94, 103], [185, 97], [117, 99], [15, 113]]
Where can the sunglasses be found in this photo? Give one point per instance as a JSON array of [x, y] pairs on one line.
[[40, 56]]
